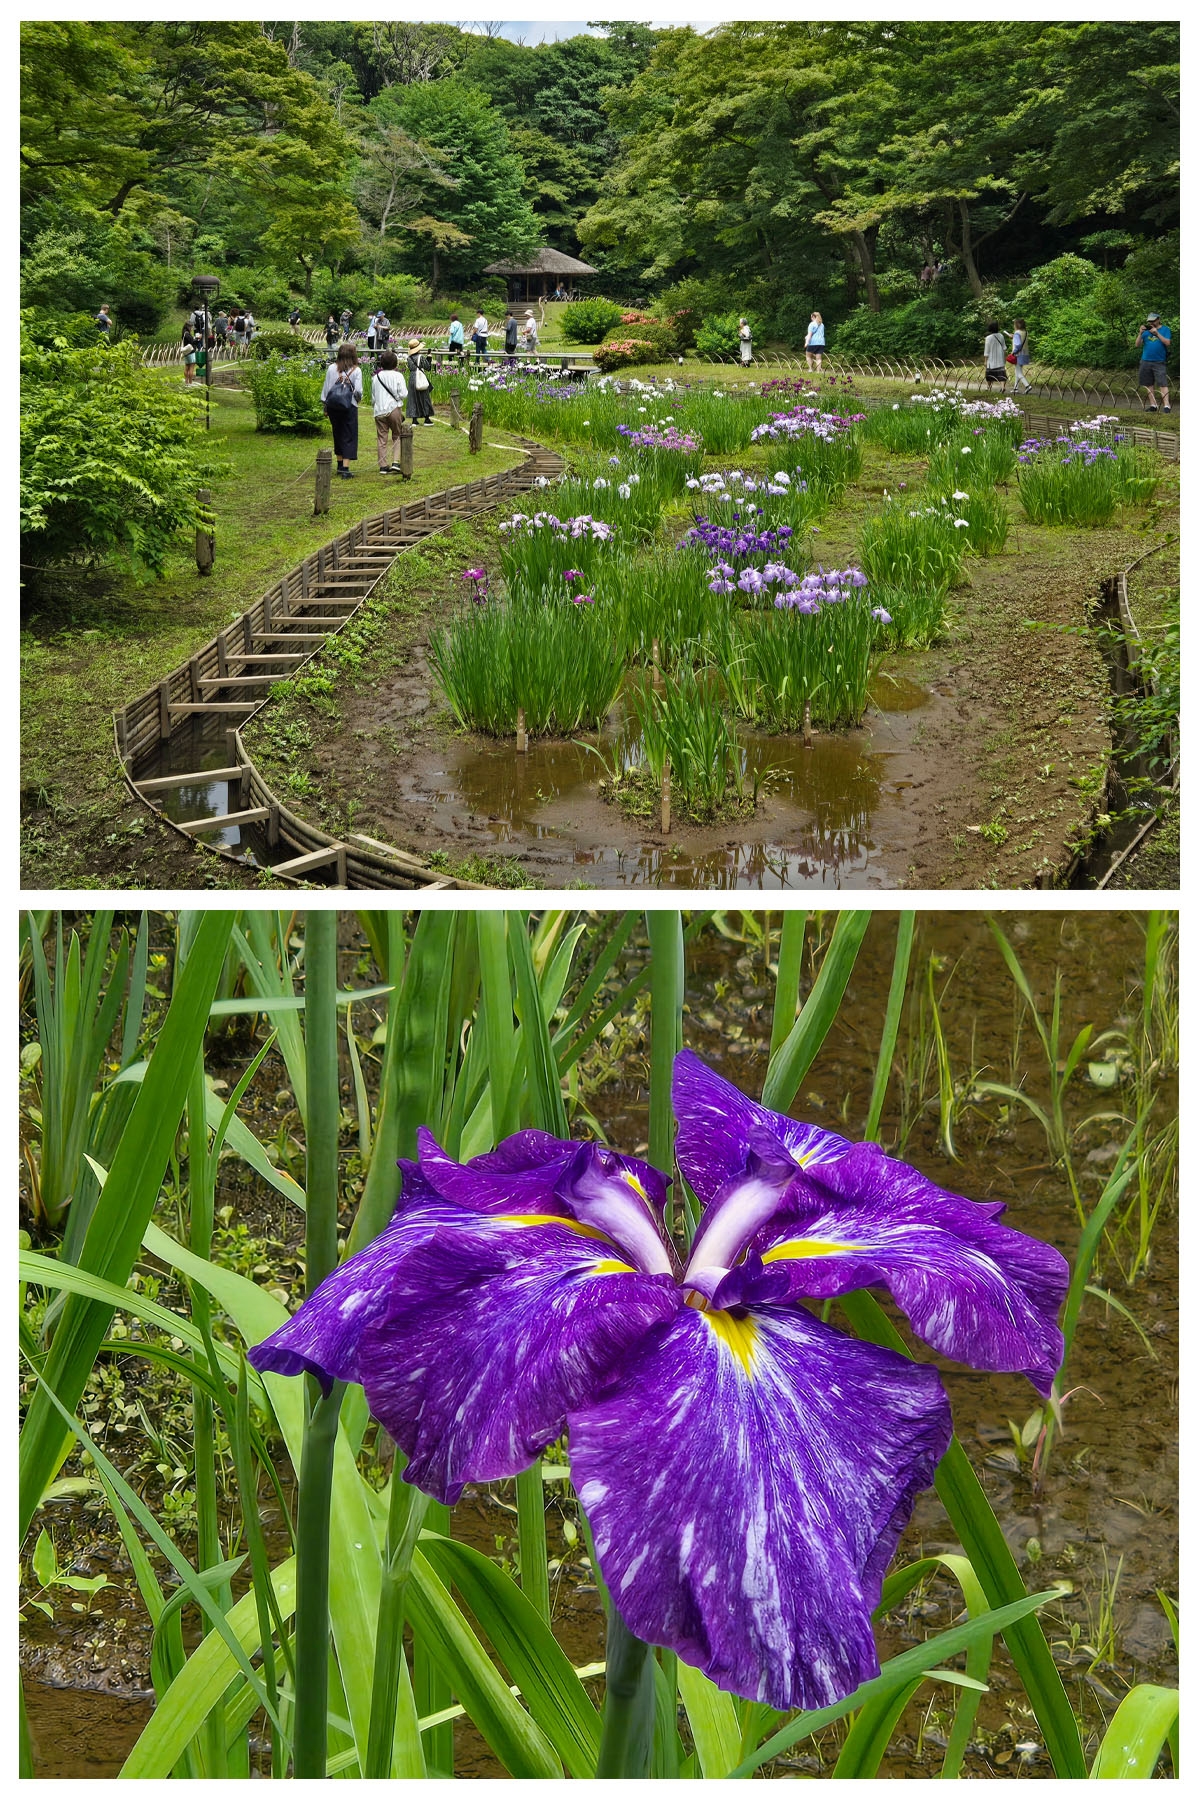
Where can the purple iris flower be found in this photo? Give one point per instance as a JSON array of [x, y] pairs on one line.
[[746, 1468]]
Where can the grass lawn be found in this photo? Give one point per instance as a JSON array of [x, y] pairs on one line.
[[101, 637]]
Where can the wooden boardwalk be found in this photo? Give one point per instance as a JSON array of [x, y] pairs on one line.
[[230, 678]]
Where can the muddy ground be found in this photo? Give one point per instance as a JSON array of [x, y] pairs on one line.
[[981, 763], [1106, 1520]]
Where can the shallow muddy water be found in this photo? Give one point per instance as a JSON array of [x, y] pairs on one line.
[[1107, 1515]]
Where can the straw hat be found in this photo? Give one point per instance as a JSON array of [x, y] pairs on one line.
[[414, 343], [529, 314]]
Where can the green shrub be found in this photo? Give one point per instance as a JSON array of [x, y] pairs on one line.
[[718, 336], [110, 457], [625, 353], [587, 321], [277, 343], [918, 328], [287, 392]]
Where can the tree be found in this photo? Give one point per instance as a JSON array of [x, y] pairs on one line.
[[110, 458], [469, 142]]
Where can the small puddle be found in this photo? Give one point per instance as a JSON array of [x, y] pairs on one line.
[[812, 828]]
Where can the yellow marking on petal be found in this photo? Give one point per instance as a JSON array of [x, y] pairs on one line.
[[611, 1266], [739, 1336], [795, 1248], [552, 1219], [636, 1185]]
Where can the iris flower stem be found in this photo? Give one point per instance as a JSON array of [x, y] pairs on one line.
[[627, 1734], [312, 1585], [665, 931], [406, 1514], [320, 1435], [531, 1539], [204, 1450]]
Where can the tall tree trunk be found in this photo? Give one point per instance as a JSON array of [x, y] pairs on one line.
[[968, 255], [433, 286], [864, 245]]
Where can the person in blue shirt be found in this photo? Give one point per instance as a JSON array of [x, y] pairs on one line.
[[1153, 342], [455, 345]]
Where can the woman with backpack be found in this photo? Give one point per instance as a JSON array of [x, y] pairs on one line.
[[419, 406], [340, 396], [189, 355], [389, 391]]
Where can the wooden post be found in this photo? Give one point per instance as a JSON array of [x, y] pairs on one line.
[[406, 451], [273, 826], [324, 480], [164, 710], [475, 435], [655, 670], [455, 410], [522, 740], [807, 726], [206, 537], [666, 798]]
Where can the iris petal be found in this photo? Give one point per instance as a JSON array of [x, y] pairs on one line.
[[747, 1477], [974, 1289], [718, 1124], [324, 1336], [493, 1328]]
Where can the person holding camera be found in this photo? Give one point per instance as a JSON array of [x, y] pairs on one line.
[[1153, 343]]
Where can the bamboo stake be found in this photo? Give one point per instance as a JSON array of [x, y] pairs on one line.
[[522, 739], [666, 798]]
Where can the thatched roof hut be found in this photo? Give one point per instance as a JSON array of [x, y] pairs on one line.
[[535, 277]]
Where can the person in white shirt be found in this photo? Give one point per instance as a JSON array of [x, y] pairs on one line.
[[479, 336], [529, 332], [744, 344], [389, 391], [994, 352], [1020, 349]]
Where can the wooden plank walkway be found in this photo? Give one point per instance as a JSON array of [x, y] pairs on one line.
[[289, 625]]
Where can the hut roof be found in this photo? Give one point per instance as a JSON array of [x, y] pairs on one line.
[[542, 262]]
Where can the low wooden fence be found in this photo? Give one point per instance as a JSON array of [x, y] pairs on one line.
[[1088, 386], [229, 680]]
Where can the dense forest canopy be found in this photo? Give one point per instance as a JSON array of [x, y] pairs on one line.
[[770, 166]]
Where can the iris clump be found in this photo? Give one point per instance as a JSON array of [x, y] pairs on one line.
[[666, 599], [552, 655], [914, 547], [806, 661], [915, 617], [536, 548], [735, 499], [686, 723], [978, 458], [822, 446], [746, 1468], [1068, 480], [985, 515]]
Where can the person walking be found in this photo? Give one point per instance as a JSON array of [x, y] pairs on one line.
[[371, 331], [745, 345], [221, 329], [419, 405], [389, 391], [340, 397], [529, 332], [1020, 356], [104, 320], [347, 315], [814, 341], [294, 319], [1153, 343], [479, 335], [331, 333], [994, 355], [510, 336], [189, 355], [383, 330], [251, 324], [456, 341]]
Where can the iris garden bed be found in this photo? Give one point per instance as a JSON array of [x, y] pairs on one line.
[[662, 605]]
